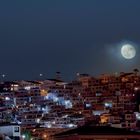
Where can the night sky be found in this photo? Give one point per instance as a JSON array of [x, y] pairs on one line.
[[70, 36]]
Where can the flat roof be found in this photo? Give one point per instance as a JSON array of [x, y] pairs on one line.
[[9, 124]]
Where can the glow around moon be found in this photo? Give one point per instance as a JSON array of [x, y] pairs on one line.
[[128, 51]]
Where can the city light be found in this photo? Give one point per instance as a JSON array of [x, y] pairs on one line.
[[23, 136], [136, 88], [137, 115], [27, 88], [69, 107], [71, 126], [38, 120], [7, 98], [108, 104]]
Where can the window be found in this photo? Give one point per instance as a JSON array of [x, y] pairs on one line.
[[16, 129]]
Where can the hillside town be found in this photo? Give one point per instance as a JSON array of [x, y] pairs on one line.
[[45, 108]]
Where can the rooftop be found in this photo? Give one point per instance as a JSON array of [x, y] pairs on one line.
[[99, 130]]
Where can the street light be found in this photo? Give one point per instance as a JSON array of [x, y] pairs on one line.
[[45, 137], [23, 136], [136, 88], [7, 98]]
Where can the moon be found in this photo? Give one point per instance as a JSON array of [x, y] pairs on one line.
[[128, 51]]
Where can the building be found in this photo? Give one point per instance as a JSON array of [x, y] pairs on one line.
[[11, 130], [98, 133]]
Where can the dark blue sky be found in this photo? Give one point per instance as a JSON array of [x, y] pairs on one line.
[[45, 36]]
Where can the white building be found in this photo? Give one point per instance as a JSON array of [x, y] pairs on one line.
[[11, 130]]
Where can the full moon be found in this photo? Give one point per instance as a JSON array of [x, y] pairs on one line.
[[128, 51]]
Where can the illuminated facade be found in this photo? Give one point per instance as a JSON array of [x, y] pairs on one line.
[[54, 104]]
